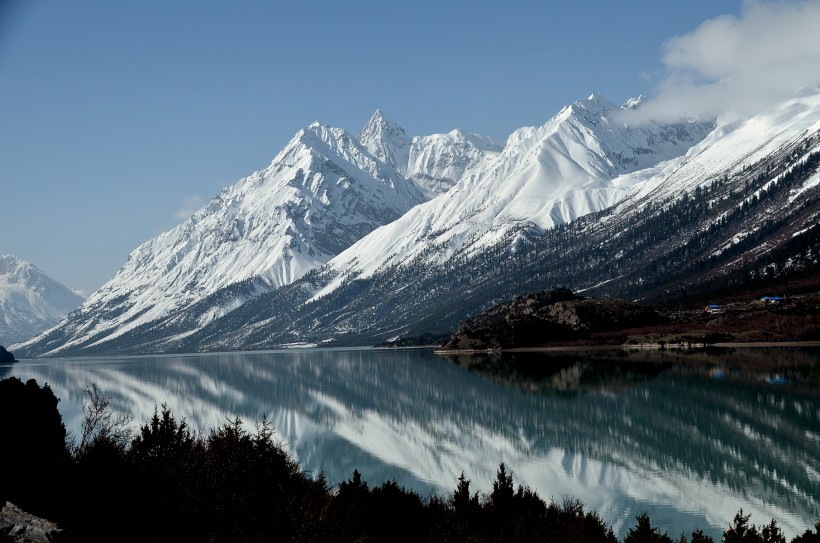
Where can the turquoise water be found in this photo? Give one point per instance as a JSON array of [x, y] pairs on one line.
[[689, 444]]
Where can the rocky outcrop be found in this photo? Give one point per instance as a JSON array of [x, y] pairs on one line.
[[19, 526], [557, 317]]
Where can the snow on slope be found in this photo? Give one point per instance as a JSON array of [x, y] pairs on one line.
[[320, 194], [30, 301], [327, 189], [437, 162], [386, 141], [733, 145], [434, 163], [545, 176]]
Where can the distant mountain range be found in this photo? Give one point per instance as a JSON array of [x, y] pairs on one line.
[[30, 301], [357, 240]]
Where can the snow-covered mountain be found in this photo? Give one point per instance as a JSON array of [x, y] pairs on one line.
[[585, 200], [434, 163], [321, 193], [438, 162], [30, 301], [738, 209], [545, 176], [386, 141], [326, 190]]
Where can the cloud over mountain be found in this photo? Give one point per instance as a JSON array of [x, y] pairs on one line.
[[739, 64], [189, 206]]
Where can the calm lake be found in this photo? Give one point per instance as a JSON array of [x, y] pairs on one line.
[[690, 439]]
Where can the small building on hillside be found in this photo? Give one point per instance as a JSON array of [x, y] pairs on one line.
[[772, 299], [713, 309]]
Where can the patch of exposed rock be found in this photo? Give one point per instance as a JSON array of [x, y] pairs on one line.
[[17, 525], [556, 317]]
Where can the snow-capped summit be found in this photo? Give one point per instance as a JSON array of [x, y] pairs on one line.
[[358, 205], [544, 176], [622, 148], [386, 141], [633, 103], [321, 193], [594, 106], [30, 301], [434, 163]]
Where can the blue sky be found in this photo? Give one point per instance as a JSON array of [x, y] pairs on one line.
[[116, 117]]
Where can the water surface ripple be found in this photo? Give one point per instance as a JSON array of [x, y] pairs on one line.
[[681, 445]]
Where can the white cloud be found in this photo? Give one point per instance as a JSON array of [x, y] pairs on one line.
[[742, 64], [81, 293], [189, 206]]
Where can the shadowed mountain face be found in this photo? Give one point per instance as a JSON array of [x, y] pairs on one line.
[[624, 434]]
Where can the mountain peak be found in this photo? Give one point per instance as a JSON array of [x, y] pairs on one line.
[[318, 138], [596, 104], [380, 125], [633, 103], [9, 263], [30, 301], [17, 270], [379, 117], [386, 140]]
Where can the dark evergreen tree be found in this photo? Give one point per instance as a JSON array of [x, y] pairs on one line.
[[643, 532], [463, 502], [741, 531], [33, 454], [809, 536], [6, 357], [501, 497]]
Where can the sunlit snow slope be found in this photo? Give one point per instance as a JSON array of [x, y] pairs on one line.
[[742, 202], [327, 190], [735, 144], [434, 163], [545, 176], [320, 194]]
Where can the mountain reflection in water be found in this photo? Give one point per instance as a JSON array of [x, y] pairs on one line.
[[625, 433]]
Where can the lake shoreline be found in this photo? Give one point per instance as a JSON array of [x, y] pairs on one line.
[[631, 347]]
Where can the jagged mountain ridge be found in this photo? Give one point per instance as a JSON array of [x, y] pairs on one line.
[[569, 162], [545, 176], [320, 194], [750, 219], [433, 163], [371, 292], [30, 301]]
